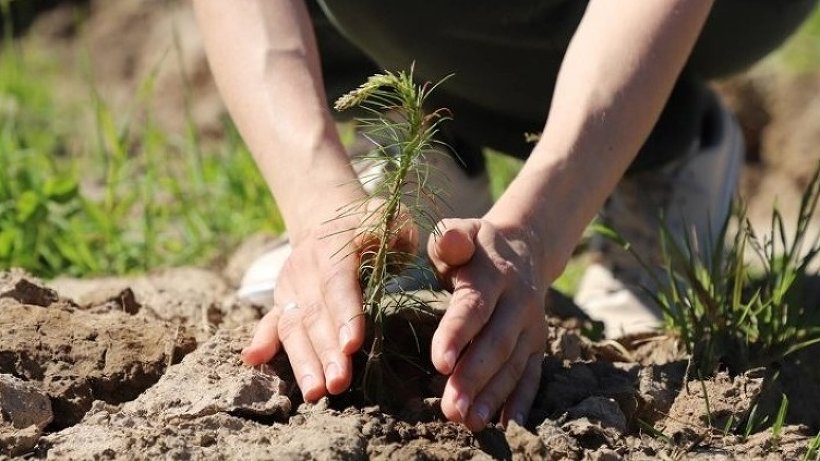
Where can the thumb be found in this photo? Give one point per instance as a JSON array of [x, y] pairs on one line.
[[454, 246]]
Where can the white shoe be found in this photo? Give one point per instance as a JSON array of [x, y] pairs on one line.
[[464, 196], [693, 194]]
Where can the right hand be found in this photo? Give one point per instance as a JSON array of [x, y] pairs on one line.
[[321, 277]]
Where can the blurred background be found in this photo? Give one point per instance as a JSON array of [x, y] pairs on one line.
[[117, 156]]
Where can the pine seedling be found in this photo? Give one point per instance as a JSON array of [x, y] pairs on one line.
[[402, 135]]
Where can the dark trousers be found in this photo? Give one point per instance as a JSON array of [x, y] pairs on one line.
[[506, 55]]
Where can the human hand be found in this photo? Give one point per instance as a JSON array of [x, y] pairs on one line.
[[492, 338], [317, 312]]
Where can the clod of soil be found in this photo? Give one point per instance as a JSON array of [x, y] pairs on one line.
[[78, 357], [19, 286], [212, 380], [25, 411]]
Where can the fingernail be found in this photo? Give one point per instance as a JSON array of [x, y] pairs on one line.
[[450, 358], [308, 381], [332, 372], [463, 406], [482, 411], [344, 336], [244, 355]]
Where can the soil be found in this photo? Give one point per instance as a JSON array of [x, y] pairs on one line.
[[148, 367]]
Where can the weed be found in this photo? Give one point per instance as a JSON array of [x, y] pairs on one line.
[[402, 134], [813, 450], [723, 314], [134, 198], [780, 419], [752, 423]]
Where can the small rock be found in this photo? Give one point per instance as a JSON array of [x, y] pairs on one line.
[[17, 286], [658, 386], [25, 411], [566, 344], [601, 409], [591, 435], [559, 444], [524, 445], [604, 454]]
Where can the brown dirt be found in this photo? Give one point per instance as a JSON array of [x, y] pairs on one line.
[[92, 377]]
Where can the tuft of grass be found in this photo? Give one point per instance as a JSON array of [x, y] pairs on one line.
[[813, 450], [403, 134], [780, 419], [127, 196], [725, 315]]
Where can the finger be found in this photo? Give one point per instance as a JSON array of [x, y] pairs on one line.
[[493, 395], [307, 368], [342, 294], [489, 353], [471, 306], [265, 343], [520, 401], [325, 341], [454, 246]]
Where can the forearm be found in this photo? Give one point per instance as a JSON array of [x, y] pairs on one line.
[[617, 74], [265, 62]]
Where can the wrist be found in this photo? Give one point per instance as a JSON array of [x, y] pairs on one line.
[[321, 203], [534, 211]]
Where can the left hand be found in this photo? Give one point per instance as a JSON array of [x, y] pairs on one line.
[[492, 338]]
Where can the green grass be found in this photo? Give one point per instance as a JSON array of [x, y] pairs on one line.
[[813, 450], [120, 198], [802, 52], [725, 314], [780, 419]]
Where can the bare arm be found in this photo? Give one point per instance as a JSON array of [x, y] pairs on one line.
[[616, 76], [615, 79], [264, 58]]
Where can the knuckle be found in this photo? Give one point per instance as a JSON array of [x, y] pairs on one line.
[[288, 326], [505, 267], [311, 313], [474, 304]]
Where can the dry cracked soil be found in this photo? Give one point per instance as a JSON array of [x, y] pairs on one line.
[[149, 367]]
